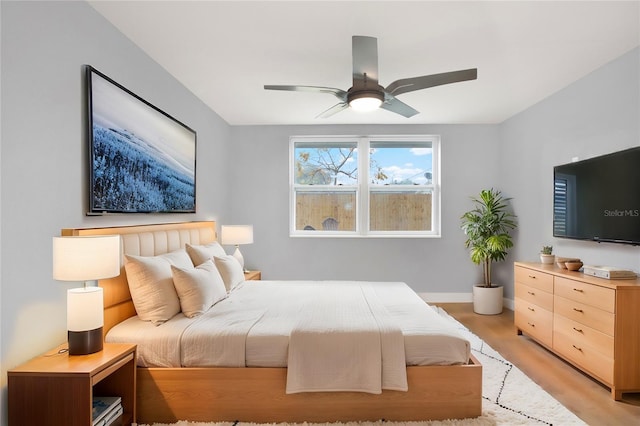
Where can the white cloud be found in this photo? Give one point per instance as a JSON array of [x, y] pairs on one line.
[[421, 151], [398, 174]]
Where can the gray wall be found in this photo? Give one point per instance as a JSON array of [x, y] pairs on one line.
[[428, 265], [44, 45], [596, 115]]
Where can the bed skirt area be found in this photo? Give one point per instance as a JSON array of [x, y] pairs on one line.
[[258, 395]]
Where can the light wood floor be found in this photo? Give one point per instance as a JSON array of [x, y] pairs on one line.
[[585, 397]]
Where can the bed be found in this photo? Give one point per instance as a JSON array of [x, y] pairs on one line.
[[259, 394]]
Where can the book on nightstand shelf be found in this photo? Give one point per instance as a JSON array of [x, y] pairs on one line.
[[106, 409]]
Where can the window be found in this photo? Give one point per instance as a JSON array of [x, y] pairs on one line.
[[365, 186]]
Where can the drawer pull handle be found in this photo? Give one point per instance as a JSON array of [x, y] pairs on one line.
[[532, 325], [531, 293], [579, 330], [533, 277], [579, 290], [531, 309], [575, 347], [578, 310]]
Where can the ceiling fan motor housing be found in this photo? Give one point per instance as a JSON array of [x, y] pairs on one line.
[[365, 99], [365, 93]]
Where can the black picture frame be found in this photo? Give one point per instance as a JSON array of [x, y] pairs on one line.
[[141, 159]]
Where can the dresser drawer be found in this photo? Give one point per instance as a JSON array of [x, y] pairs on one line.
[[534, 295], [584, 357], [589, 294], [532, 278], [584, 335], [534, 321], [584, 314]]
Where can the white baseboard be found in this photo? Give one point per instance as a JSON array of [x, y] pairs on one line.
[[457, 298]]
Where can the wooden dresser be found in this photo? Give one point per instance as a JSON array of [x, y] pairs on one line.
[[592, 323]]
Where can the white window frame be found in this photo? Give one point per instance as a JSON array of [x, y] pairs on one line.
[[363, 188]]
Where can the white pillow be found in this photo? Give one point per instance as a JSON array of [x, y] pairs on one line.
[[198, 288], [151, 284], [202, 253], [230, 269]]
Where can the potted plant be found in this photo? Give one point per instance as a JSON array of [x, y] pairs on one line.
[[546, 255], [487, 228]]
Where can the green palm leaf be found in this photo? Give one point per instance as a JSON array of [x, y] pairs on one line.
[[487, 228]]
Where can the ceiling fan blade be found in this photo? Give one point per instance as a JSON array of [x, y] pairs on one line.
[[417, 83], [365, 62], [394, 105], [338, 93], [333, 110]]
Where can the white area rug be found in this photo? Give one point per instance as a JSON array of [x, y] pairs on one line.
[[509, 397]]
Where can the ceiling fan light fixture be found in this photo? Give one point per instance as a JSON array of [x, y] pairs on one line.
[[366, 101], [367, 94]]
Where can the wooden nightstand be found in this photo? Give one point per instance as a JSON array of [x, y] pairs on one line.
[[252, 275], [58, 389]]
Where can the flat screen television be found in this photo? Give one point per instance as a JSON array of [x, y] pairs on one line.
[[598, 199], [142, 160]]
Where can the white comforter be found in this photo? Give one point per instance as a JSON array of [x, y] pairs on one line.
[[353, 340]]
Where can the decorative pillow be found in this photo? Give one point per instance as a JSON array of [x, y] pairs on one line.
[[230, 269], [151, 284], [198, 288], [200, 254]]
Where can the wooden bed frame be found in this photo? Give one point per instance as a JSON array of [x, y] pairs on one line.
[[258, 394]]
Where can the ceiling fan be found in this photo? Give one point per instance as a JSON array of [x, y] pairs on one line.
[[366, 94]]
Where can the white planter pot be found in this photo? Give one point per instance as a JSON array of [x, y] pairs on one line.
[[487, 300], [548, 259]]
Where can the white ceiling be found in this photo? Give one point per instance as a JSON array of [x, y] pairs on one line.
[[225, 52]]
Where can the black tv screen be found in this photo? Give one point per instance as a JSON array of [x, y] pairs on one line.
[[599, 199]]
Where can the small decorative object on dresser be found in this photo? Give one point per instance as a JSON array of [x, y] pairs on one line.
[[573, 265], [487, 229], [546, 255], [562, 261], [609, 272]]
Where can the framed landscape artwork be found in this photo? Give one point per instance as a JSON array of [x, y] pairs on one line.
[[142, 160]]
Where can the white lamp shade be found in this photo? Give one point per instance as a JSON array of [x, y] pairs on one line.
[[84, 309], [237, 234], [86, 258]]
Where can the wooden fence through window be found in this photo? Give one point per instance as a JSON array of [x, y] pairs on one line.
[[390, 211]]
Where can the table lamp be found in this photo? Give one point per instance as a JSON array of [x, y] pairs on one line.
[[86, 259], [236, 235]]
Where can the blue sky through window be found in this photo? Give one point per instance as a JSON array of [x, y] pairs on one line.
[[402, 165], [390, 163]]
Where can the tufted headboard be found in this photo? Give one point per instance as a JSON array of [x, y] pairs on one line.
[[142, 240]]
